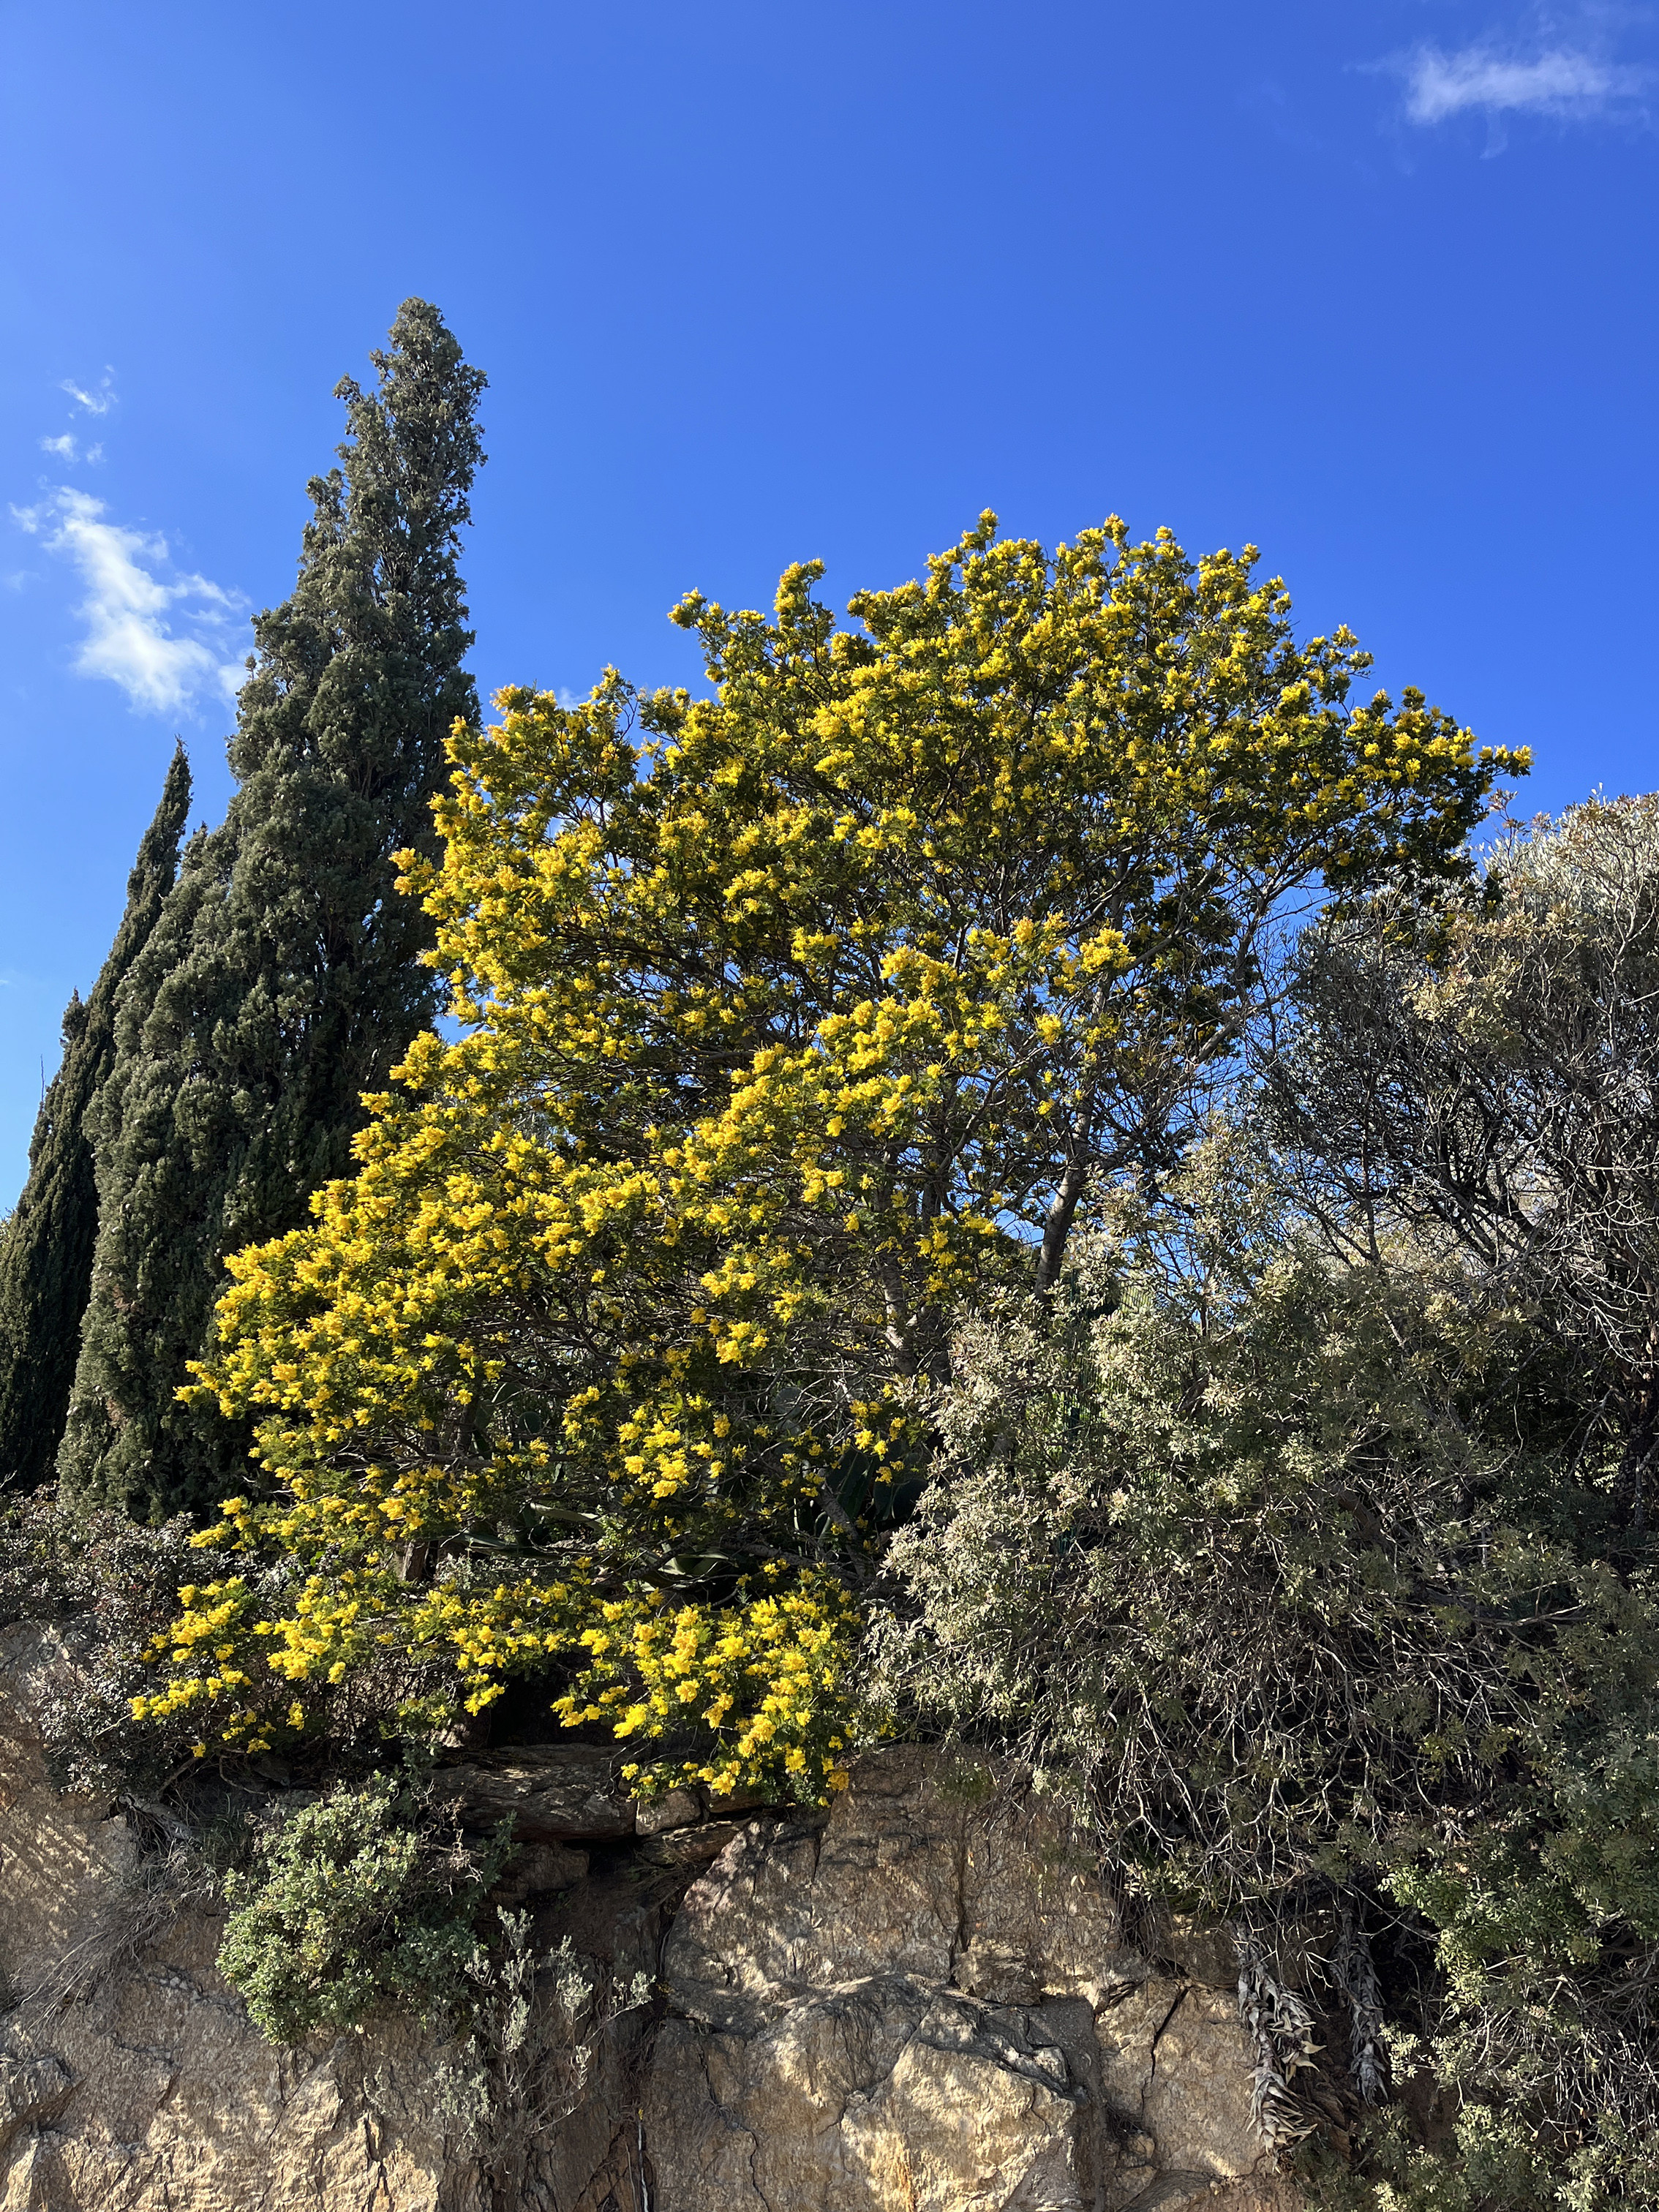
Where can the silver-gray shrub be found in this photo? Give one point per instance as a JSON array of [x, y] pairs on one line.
[[1220, 1540], [1306, 1537], [1492, 1082]]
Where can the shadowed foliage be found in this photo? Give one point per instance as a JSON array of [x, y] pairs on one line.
[[45, 1255]]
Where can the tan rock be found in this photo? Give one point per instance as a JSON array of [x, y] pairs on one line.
[[675, 1808], [931, 2002], [689, 1848], [925, 2003], [536, 1871]]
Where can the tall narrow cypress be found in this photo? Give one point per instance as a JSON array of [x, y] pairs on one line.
[[45, 1252], [284, 978]]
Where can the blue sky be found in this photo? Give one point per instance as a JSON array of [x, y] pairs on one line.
[[1371, 285]]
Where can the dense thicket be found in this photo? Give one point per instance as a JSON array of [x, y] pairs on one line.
[[46, 1250], [1307, 1542], [1500, 1098], [283, 979]]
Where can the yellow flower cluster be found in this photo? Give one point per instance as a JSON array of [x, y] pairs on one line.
[[787, 1022], [767, 1677]]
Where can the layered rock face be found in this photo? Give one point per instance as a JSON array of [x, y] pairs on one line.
[[930, 2006], [926, 2002]]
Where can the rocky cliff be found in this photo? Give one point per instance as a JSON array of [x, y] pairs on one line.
[[925, 2001]]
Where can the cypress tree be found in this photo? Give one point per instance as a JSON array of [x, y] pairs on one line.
[[284, 978], [45, 1254]]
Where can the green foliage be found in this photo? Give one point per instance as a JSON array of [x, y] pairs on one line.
[[1239, 1546], [355, 1905], [1494, 1083], [283, 977], [1494, 1088], [1306, 1537], [45, 1254], [1495, 2157]]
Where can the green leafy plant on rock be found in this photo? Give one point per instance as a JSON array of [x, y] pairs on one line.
[[355, 1904]]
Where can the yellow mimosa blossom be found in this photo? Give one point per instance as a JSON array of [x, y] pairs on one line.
[[789, 1017]]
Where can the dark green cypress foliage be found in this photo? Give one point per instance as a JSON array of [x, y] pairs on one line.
[[284, 978], [45, 1254]]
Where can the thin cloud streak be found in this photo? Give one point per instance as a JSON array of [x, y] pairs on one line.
[[98, 400], [164, 641], [1571, 85]]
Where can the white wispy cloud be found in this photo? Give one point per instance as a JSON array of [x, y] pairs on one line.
[[1571, 84], [99, 399], [166, 639], [68, 448]]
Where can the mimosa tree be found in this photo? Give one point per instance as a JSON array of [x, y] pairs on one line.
[[791, 1016]]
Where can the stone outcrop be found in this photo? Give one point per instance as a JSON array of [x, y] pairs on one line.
[[925, 2001], [130, 2076], [930, 2005]]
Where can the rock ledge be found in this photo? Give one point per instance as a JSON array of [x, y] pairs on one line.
[[925, 2003]]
